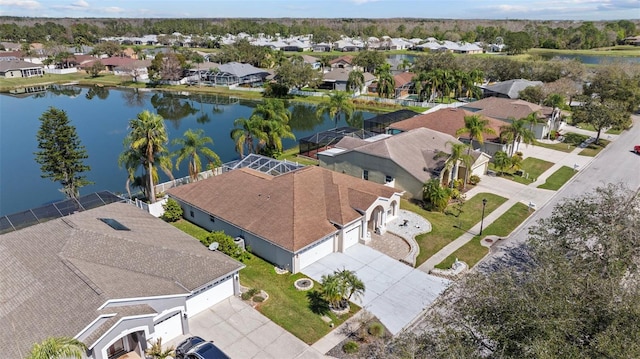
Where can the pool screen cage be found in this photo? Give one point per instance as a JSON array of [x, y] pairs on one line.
[[379, 124], [324, 140], [263, 164]]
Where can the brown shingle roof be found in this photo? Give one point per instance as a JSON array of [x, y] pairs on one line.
[[504, 108], [346, 58], [403, 78], [56, 275], [446, 120], [292, 210]]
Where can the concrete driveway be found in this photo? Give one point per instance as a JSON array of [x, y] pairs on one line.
[[242, 332], [395, 293]]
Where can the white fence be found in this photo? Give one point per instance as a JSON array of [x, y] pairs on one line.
[[71, 70], [163, 187], [394, 101], [306, 93]]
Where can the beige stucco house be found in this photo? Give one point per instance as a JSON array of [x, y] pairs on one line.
[[291, 219], [404, 161]]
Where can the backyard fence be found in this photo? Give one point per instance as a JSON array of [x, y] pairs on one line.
[[163, 187]]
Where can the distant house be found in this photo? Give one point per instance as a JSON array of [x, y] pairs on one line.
[[291, 219], [632, 40], [404, 161], [403, 82], [507, 110], [450, 120], [18, 68], [114, 277], [321, 47], [235, 73], [337, 79], [313, 61], [10, 46], [508, 89], [342, 62]]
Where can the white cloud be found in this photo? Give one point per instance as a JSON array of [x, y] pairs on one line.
[[113, 10], [80, 3], [25, 4]]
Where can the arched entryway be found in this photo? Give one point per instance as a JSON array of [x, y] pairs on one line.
[[377, 220]]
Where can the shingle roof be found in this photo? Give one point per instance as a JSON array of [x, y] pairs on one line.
[[56, 274], [511, 88], [504, 108], [292, 210], [446, 120], [346, 58], [17, 65], [413, 151], [342, 75]]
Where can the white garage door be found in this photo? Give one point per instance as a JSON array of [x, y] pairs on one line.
[[314, 253], [351, 237], [168, 328], [209, 297]]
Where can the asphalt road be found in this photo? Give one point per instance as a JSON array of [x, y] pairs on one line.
[[617, 163]]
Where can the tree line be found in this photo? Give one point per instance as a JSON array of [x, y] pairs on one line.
[[543, 34]]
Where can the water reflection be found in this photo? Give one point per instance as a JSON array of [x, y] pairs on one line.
[[173, 107], [134, 97], [99, 91]]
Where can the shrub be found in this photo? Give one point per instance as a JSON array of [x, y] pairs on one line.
[[172, 211], [350, 347], [574, 138], [258, 299], [226, 245], [246, 296], [376, 329], [474, 179]]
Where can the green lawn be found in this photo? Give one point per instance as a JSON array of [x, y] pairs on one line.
[[614, 131], [585, 126], [532, 166], [447, 227], [286, 306], [564, 147], [594, 149], [291, 154], [558, 178], [472, 252]]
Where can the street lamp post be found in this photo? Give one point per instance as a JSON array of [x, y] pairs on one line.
[[484, 203]]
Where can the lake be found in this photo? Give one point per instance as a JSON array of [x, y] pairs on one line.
[[593, 59], [101, 117]]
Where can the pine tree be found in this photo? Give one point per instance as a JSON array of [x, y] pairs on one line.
[[61, 154]]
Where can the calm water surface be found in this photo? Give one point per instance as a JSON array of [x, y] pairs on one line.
[[101, 117]]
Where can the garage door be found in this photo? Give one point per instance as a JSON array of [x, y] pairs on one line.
[[168, 328], [314, 253], [210, 296], [351, 237]]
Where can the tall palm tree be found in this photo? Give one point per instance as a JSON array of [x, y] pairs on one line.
[[338, 104], [516, 132], [58, 348], [247, 132], [457, 155], [355, 81], [149, 138], [386, 82], [273, 119], [192, 145], [475, 127], [405, 65], [531, 119]]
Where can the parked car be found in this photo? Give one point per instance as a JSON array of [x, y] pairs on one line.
[[206, 350], [186, 345], [636, 149]]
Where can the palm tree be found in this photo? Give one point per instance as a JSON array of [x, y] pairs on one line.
[[516, 132], [247, 132], [338, 288], [386, 82], [156, 352], [501, 160], [532, 119], [354, 286], [435, 195], [355, 81], [148, 138], [192, 144], [332, 290], [405, 65], [475, 127], [273, 119], [339, 103], [58, 348], [457, 156]]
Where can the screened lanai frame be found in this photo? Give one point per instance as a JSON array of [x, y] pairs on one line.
[[263, 164], [379, 124], [324, 140]]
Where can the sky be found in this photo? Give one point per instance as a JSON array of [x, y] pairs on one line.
[[445, 9]]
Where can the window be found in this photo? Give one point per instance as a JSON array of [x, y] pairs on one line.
[[388, 179], [191, 213], [365, 175], [212, 219], [114, 224]]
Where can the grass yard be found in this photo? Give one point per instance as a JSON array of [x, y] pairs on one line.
[[614, 131], [447, 227], [561, 146], [472, 252], [291, 154], [558, 178], [533, 167], [286, 306], [594, 149]]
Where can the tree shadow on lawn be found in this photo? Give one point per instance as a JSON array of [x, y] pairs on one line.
[[317, 303]]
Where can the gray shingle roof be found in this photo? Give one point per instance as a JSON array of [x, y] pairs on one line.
[[511, 88], [56, 274], [17, 65], [241, 70]]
